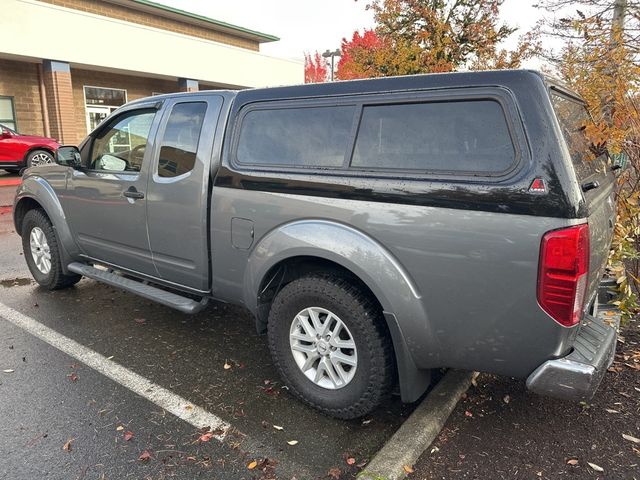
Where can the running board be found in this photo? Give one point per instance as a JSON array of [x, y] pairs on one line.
[[173, 300]]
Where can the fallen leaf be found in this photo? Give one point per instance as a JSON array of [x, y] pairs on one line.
[[292, 442], [630, 438], [595, 467], [8, 370], [573, 461], [366, 422], [205, 437], [278, 427], [188, 407], [467, 413], [145, 456], [334, 473], [67, 446], [611, 410], [227, 366], [435, 449], [73, 377], [407, 469], [119, 428], [506, 399], [351, 461], [140, 320], [252, 465], [128, 436]]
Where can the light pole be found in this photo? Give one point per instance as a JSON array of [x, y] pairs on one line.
[[332, 55]]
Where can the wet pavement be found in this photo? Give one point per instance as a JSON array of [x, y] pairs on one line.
[[214, 360]]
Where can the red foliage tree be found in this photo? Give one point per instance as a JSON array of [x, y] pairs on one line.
[[358, 54], [315, 68]]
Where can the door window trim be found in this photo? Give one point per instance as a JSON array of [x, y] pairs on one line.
[[160, 138], [503, 96]]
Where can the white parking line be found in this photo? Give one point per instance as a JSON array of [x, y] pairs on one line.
[[175, 404]]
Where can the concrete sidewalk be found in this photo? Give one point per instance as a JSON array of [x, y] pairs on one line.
[[8, 184], [6, 195]]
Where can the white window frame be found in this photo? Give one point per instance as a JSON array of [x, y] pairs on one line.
[[103, 105], [84, 94]]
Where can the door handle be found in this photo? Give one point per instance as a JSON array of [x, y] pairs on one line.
[[131, 192]]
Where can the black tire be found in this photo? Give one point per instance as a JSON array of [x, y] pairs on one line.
[[39, 157], [55, 279], [375, 371]]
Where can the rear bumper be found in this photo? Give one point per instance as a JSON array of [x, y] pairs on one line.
[[578, 375]]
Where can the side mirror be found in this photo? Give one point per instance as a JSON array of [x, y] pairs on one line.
[[68, 156], [4, 133]]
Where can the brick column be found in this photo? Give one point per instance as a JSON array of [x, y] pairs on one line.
[[59, 93], [188, 85]]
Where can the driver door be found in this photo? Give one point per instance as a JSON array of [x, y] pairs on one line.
[[105, 202]]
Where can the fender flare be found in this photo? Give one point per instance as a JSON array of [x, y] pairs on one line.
[[373, 264], [40, 191]]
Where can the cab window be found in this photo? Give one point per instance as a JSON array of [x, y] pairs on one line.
[[180, 140]]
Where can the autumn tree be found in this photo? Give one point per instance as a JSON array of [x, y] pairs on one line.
[[315, 68], [599, 58], [422, 36]]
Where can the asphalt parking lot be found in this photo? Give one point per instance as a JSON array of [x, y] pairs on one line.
[[63, 418], [214, 360]]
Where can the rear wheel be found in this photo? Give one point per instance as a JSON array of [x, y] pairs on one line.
[[40, 246], [39, 157], [330, 345]]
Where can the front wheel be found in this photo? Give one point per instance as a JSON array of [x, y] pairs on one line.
[[331, 346], [40, 246], [38, 158]]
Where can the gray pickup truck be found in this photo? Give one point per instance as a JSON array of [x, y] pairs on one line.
[[377, 229]]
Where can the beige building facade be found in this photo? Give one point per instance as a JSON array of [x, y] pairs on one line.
[[98, 54]]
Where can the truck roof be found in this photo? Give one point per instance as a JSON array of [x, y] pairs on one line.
[[385, 84]]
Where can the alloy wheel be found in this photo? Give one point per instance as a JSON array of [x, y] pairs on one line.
[[323, 348], [40, 250], [41, 158]]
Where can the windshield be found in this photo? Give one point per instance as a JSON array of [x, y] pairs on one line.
[[574, 118], [10, 129]]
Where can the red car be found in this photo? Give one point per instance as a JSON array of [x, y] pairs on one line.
[[20, 151]]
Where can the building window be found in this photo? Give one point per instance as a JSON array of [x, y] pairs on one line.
[[100, 102], [7, 113]]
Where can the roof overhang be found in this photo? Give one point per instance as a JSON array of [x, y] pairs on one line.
[[171, 13]]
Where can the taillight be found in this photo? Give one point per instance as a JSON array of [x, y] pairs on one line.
[[563, 273]]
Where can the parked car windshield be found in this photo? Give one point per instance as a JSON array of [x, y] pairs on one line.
[[10, 129]]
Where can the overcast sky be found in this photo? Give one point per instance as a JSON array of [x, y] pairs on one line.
[[310, 25]]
